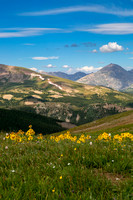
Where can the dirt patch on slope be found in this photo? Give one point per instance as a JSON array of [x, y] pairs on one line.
[[66, 125], [8, 96]]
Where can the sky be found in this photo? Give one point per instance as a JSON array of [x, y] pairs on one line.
[[68, 36]]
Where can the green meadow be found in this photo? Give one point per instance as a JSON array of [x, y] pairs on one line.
[[66, 166]]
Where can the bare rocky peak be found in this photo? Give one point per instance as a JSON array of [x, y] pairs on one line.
[[113, 67], [112, 75]]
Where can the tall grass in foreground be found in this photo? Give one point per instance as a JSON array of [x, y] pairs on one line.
[[66, 167]]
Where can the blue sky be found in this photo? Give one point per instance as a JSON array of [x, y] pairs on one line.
[[69, 36]]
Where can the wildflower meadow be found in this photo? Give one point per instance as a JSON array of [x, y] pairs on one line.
[[66, 166]]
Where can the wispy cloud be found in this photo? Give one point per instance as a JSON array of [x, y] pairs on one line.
[[49, 66], [34, 69], [26, 32], [111, 47], [111, 29], [94, 51], [88, 69], [46, 58], [70, 70], [74, 45], [90, 8], [89, 44], [66, 66]]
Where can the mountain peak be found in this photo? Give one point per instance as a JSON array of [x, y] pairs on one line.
[[112, 75], [72, 77], [114, 67]]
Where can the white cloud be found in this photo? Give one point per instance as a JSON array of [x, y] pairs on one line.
[[70, 70], [26, 32], [41, 71], [111, 47], [90, 8], [130, 68], [94, 51], [33, 68], [131, 58], [111, 29], [66, 66], [88, 69], [45, 58], [49, 66]]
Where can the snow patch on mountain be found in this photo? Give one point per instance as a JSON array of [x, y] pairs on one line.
[[37, 75], [51, 83]]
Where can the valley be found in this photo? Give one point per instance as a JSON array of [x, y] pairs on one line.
[[61, 99]]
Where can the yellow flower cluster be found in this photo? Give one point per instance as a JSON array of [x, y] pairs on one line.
[[83, 138], [20, 136], [105, 136], [40, 136], [30, 132], [123, 136], [68, 136]]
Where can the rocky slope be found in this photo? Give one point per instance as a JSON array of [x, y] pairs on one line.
[[113, 76]]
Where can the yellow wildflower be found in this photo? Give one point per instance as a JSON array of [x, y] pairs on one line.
[[12, 136], [30, 138], [19, 139], [7, 136]]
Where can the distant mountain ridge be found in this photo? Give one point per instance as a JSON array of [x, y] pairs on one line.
[[112, 75], [72, 77], [58, 98], [131, 70]]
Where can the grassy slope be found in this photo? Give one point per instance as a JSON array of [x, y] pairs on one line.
[[65, 170], [122, 122]]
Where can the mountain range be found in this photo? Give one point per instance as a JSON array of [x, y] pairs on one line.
[[112, 75], [73, 77], [62, 99]]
